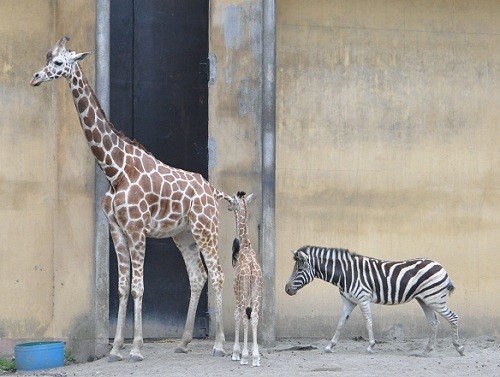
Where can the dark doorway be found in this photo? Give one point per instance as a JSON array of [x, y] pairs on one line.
[[159, 96]]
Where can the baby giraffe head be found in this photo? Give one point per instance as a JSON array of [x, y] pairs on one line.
[[239, 202], [60, 63]]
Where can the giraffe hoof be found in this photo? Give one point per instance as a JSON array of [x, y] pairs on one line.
[[461, 350], [328, 350], [219, 353], [135, 358], [235, 357], [114, 358], [180, 349]]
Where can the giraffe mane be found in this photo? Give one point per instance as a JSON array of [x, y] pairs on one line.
[[125, 138]]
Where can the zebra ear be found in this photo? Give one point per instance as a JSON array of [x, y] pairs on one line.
[[301, 256]]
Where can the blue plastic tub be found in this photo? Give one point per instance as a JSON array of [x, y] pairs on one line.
[[39, 355]]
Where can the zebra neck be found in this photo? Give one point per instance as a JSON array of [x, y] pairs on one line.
[[330, 265]]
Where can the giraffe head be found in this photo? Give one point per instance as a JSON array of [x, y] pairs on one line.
[[238, 202], [60, 63]]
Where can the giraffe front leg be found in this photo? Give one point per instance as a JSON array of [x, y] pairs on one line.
[[137, 253], [347, 309], [236, 348], [367, 313], [123, 259], [137, 294], [119, 341]]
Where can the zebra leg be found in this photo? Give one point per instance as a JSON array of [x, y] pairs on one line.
[[347, 309], [452, 318], [236, 348], [367, 313], [430, 314]]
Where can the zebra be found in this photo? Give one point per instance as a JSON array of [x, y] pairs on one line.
[[362, 280]]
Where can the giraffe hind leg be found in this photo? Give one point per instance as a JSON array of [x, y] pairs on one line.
[[236, 356], [255, 345], [197, 279]]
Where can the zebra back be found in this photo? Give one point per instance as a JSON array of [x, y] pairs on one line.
[[384, 282]]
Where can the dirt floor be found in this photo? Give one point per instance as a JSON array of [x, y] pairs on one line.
[[303, 358]]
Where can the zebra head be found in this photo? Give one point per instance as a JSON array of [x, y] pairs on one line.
[[302, 273]]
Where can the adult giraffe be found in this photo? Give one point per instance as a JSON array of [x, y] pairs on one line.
[[146, 198]]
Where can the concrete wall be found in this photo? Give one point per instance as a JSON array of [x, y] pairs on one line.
[[387, 130], [387, 117], [46, 183], [234, 123]]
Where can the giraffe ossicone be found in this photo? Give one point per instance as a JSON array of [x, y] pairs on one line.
[[146, 198], [247, 282]]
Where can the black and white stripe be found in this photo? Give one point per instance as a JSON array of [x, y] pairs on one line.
[[363, 280]]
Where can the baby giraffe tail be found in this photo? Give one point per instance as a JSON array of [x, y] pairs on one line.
[[248, 310]]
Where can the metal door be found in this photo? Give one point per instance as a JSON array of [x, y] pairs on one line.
[[159, 96]]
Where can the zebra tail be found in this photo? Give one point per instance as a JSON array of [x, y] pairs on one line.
[[450, 287]]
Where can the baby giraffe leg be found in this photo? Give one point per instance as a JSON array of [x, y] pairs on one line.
[[236, 348], [255, 348], [244, 353]]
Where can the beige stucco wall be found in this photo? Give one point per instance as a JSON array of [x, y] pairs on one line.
[[46, 180], [387, 144], [234, 124]]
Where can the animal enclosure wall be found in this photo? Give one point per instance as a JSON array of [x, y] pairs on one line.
[[387, 144], [46, 181]]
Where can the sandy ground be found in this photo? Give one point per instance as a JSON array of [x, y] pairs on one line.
[[303, 358]]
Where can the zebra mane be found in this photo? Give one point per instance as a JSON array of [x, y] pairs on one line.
[[311, 248]]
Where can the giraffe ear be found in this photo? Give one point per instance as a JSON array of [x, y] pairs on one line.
[[79, 57], [250, 198]]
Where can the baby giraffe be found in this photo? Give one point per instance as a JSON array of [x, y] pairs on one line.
[[247, 282]]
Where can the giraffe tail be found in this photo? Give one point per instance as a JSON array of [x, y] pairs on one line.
[[236, 251], [248, 310], [220, 194]]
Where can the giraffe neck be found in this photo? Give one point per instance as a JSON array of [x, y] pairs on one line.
[[104, 141], [241, 228]]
